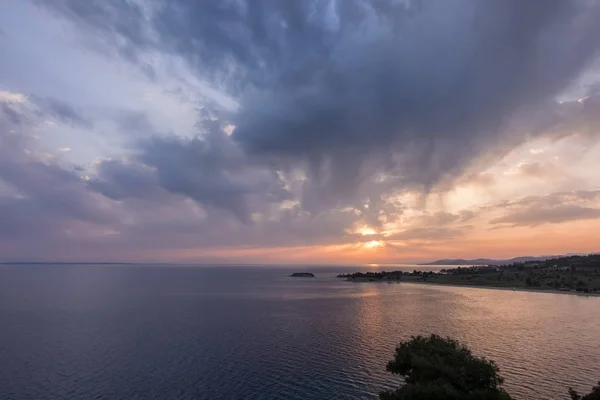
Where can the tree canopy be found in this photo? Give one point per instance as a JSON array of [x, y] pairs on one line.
[[437, 368], [593, 395], [442, 368]]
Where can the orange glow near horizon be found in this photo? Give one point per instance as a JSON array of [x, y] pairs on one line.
[[476, 242], [577, 236]]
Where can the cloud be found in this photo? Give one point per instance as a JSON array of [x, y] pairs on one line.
[[134, 123], [580, 117], [437, 226], [427, 105], [169, 193], [535, 169], [349, 89], [13, 104], [551, 215], [50, 209], [482, 179], [438, 218], [45, 200], [10, 97], [212, 170], [63, 112], [430, 234], [536, 151], [125, 23], [11, 114], [553, 199], [552, 208], [118, 180], [335, 110], [198, 210]]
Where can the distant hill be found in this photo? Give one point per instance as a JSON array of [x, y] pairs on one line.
[[489, 261]]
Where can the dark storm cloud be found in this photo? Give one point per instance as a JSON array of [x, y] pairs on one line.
[[210, 169], [210, 174], [426, 101], [350, 88], [118, 181]]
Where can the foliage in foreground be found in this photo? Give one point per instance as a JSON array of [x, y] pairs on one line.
[[437, 368], [594, 395]]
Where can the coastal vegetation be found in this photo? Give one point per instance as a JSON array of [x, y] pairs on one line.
[[302, 275], [570, 274], [436, 368]]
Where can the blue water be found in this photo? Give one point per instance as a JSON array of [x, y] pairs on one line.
[[167, 332]]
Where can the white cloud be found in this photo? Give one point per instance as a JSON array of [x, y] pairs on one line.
[[10, 97], [229, 129]]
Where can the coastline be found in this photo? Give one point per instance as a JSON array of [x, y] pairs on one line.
[[516, 289]]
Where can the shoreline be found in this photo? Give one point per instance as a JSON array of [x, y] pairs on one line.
[[516, 289]]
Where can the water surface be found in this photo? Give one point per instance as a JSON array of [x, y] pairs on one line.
[[167, 332]]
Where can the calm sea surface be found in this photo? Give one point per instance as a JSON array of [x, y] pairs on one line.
[[132, 332]]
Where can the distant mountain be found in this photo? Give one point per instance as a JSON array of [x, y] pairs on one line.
[[488, 261]]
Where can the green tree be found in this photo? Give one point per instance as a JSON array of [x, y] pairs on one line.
[[435, 368], [528, 281], [593, 395]]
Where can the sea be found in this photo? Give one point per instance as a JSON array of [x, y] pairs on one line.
[[252, 332]]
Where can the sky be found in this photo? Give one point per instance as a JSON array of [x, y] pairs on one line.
[[313, 131]]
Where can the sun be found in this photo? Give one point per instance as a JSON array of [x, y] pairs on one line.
[[373, 244]]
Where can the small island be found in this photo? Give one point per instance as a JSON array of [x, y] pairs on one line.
[[577, 274], [302, 275]]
